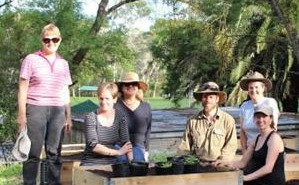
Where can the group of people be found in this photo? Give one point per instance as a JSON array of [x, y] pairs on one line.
[[211, 135], [119, 130]]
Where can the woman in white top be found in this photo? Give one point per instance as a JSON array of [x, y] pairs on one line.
[[255, 84]]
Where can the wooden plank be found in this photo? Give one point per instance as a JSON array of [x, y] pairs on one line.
[[67, 172], [84, 177], [231, 178], [292, 166], [291, 175]]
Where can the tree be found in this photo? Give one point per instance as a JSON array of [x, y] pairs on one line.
[[183, 47], [19, 33]]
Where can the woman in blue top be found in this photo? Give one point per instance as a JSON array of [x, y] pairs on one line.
[[137, 112]]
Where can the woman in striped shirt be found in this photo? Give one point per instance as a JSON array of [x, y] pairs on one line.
[[106, 132]]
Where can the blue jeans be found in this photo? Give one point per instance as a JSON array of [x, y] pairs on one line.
[[45, 127], [138, 154]]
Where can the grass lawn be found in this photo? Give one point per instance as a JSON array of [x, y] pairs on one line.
[[156, 103], [11, 174]]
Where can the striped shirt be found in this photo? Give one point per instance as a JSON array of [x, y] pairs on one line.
[[95, 133], [47, 81]]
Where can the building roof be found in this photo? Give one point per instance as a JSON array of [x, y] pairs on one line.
[[88, 88], [84, 107]]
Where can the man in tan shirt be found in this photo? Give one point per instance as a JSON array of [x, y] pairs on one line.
[[211, 134]]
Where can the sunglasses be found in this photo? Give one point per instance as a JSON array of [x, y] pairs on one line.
[[48, 40], [131, 83]]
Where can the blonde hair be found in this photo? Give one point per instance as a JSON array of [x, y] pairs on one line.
[[50, 29], [110, 86]]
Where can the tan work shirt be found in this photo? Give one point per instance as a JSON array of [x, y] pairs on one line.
[[210, 140]]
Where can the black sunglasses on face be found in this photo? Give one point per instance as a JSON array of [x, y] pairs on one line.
[[48, 40], [131, 83]]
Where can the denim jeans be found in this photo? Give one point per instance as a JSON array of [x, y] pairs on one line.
[[45, 127], [138, 154]]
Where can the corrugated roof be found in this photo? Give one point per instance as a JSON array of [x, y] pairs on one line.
[[88, 88], [84, 107]]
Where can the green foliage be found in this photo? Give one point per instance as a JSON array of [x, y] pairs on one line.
[[182, 47], [11, 174], [191, 159], [166, 164], [158, 156]]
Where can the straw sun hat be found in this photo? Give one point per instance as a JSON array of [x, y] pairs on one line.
[[210, 87], [129, 77], [254, 77]]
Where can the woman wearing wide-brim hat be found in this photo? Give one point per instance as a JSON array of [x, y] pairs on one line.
[[255, 84], [138, 113]]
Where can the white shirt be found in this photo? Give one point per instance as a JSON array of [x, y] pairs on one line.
[[247, 112]]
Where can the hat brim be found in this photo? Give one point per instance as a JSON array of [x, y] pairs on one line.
[[222, 95], [22, 146], [244, 83], [142, 85]]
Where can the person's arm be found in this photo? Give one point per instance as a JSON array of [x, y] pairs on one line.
[[125, 149], [186, 142], [275, 146], [243, 137], [68, 119], [231, 143], [276, 113], [237, 164], [22, 99], [124, 137], [148, 129], [93, 142]]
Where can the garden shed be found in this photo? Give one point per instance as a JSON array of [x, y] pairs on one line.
[[87, 91]]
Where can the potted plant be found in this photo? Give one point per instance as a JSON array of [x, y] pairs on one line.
[[121, 169], [138, 168], [191, 164], [163, 168], [177, 164]]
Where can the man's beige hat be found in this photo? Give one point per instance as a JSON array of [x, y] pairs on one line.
[[210, 87], [254, 77], [129, 77], [22, 146]]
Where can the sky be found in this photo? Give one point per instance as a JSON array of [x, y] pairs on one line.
[[158, 8], [90, 9]]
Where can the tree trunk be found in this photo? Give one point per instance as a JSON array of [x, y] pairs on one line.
[[290, 104], [97, 25], [291, 32]]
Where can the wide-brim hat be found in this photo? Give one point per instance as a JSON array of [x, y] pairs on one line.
[[254, 77], [210, 87], [129, 77], [22, 146]]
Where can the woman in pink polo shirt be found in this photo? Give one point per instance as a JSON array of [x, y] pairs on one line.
[[43, 102]]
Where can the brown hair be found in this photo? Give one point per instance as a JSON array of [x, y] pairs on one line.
[[50, 29], [272, 125], [110, 86]]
